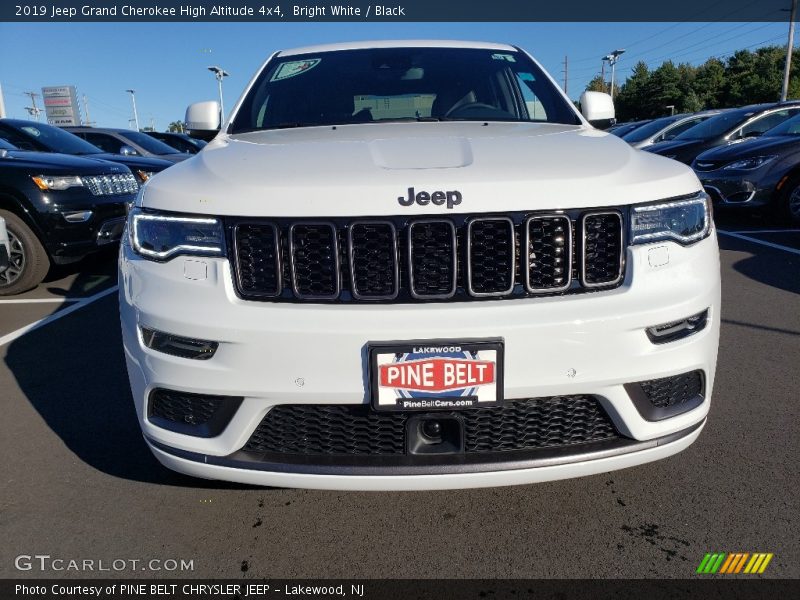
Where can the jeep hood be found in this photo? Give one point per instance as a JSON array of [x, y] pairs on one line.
[[363, 170]]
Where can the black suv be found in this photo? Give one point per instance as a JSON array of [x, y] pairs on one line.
[[58, 208], [30, 135], [726, 128]]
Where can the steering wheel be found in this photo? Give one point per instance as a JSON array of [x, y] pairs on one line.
[[471, 106]]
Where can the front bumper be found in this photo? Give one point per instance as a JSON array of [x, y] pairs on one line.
[[67, 242], [736, 189], [271, 354]]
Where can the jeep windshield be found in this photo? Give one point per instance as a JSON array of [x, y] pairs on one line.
[[401, 84]]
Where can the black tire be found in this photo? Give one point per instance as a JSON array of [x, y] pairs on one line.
[[788, 205], [29, 260]]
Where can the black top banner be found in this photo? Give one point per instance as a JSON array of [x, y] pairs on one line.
[[394, 10]]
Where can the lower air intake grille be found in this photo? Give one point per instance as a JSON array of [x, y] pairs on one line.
[[555, 422], [200, 415], [672, 391]]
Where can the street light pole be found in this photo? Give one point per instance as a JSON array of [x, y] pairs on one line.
[[135, 114], [219, 74], [612, 59], [789, 47]]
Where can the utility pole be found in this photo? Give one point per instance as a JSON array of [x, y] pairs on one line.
[[219, 74], [603, 71], [789, 47], [2, 104], [135, 114], [566, 72], [89, 121], [33, 109]]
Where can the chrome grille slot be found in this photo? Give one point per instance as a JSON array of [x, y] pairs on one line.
[[603, 251], [374, 263], [314, 256], [432, 259], [490, 256], [548, 256]]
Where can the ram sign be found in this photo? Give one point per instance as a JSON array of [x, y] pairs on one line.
[[61, 105]]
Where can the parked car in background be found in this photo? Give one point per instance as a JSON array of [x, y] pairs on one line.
[[5, 249], [57, 209], [180, 141], [764, 171], [665, 128], [727, 127], [126, 141], [30, 135], [621, 129]]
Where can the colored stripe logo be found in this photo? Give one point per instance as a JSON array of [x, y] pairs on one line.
[[732, 563]]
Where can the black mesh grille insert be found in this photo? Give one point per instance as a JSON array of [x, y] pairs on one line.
[[549, 253], [374, 263], [432, 251], [257, 259], [675, 390], [315, 260], [201, 415], [602, 238], [182, 407], [491, 256], [358, 430]]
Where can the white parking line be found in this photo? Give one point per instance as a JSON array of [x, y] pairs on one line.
[[757, 241], [55, 316], [40, 300]]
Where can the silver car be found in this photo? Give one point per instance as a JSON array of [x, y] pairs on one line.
[[665, 128]]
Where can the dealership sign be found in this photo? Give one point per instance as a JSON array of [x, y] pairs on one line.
[[61, 105]]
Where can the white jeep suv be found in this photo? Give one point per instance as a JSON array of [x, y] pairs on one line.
[[415, 265]]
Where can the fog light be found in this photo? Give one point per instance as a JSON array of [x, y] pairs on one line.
[[178, 346], [78, 216], [676, 330]]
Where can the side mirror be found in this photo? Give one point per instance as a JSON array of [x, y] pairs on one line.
[[203, 120], [127, 151], [597, 108]]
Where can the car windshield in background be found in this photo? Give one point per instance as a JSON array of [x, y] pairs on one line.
[[648, 129], [788, 127], [715, 126], [397, 84], [150, 144], [53, 138]]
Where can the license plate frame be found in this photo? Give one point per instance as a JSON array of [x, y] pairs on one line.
[[466, 358]]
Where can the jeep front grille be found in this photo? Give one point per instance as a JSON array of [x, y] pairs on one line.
[[407, 259]]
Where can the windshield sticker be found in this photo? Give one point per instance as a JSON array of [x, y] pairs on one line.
[[507, 57], [32, 131], [294, 68]]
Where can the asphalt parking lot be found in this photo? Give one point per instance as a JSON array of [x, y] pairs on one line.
[[78, 481]]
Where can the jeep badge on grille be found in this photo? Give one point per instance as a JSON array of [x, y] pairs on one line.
[[451, 198]]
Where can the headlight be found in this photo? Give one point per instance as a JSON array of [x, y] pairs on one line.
[[46, 182], [161, 236], [748, 164], [684, 221], [144, 175]]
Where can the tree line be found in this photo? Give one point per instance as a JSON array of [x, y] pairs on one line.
[[746, 77]]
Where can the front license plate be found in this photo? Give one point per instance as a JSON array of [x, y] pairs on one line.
[[436, 374]]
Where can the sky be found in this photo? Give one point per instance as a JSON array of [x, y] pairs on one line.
[[166, 62]]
